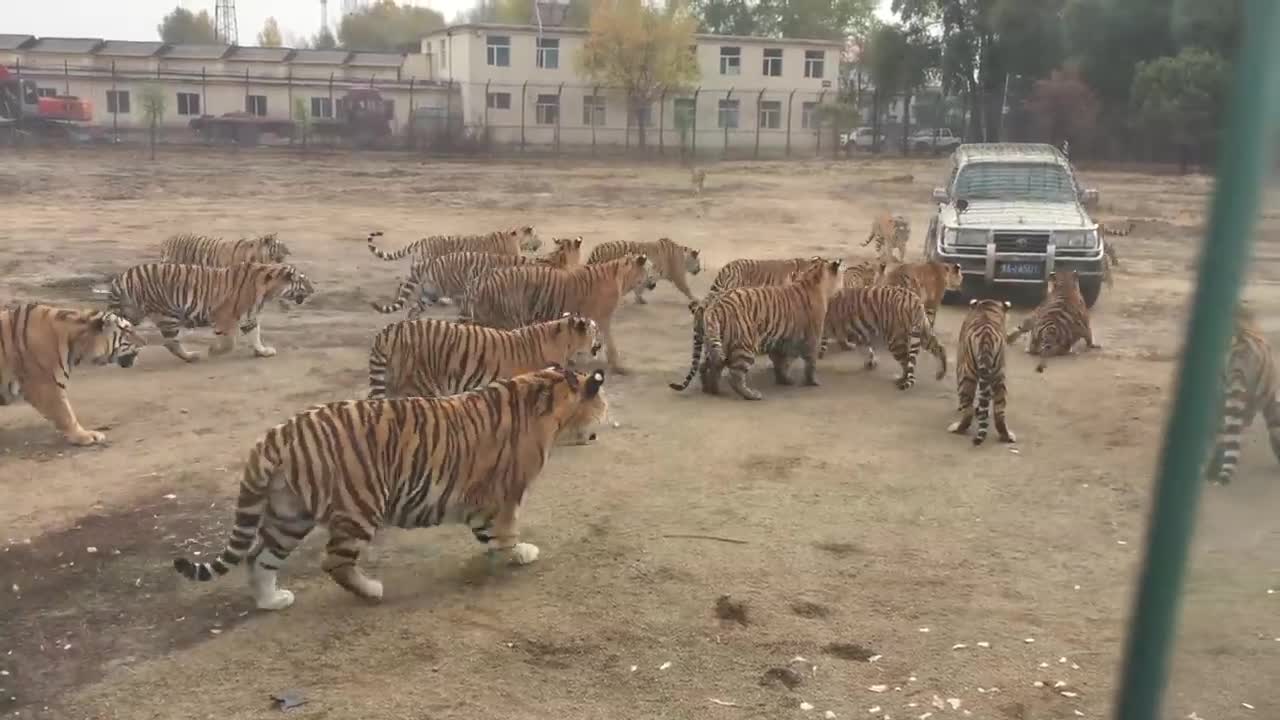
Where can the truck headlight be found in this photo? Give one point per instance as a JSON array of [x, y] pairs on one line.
[[949, 236], [972, 237], [1077, 240]]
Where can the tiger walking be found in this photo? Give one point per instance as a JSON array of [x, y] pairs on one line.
[[1060, 321], [511, 241], [783, 322], [672, 261], [1250, 387], [192, 249], [361, 465], [980, 370], [746, 272], [195, 296], [890, 234], [860, 316], [929, 280]]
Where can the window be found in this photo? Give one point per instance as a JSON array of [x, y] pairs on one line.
[[188, 104], [547, 111], [729, 114], [444, 55], [770, 114], [809, 115], [498, 50], [593, 110], [548, 53], [255, 105], [730, 61], [46, 92], [772, 62], [499, 101], [814, 60], [321, 107], [683, 112], [118, 101]]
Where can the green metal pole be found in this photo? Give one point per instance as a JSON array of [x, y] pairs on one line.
[[1245, 156]]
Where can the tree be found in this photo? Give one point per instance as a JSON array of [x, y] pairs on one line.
[[184, 26], [1063, 107], [385, 26], [154, 100], [885, 58], [324, 40], [302, 116], [728, 17], [270, 35], [641, 49], [823, 19], [1178, 100]]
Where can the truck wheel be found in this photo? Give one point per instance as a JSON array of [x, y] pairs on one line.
[[1090, 288]]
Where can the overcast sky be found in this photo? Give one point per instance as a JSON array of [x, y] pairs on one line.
[[137, 19]]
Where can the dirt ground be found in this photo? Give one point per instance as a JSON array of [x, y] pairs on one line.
[[891, 555]]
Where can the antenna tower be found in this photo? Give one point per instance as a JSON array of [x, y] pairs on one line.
[[324, 15], [224, 22]]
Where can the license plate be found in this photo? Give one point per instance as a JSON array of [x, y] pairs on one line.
[[1028, 270]]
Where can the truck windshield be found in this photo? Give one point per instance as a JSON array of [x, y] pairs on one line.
[[1045, 182]]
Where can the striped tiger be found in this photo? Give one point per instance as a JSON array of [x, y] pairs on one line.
[[1113, 229], [745, 272], [864, 273], [980, 369], [782, 321], [890, 233], [427, 358], [192, 296], [512, 297], [1060, 321], [929, 280], [360, 465], [511, 241], [893, 314], [39, 345], [449, 275], [672, 261], [1249, 381], [191, 249]]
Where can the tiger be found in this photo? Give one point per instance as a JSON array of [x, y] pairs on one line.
[[672, 261], [864, 273], [449, 275], [1061, 320], [516, 296], [1114, 229], [980, 368], [782, 321], [192, 296], [428, 358], [929, 280], [697, 177], [894, 314], [40, 344], [1249, 381], [890, 233], [191, 249], [745, 272], [360, 465], [512, 241]]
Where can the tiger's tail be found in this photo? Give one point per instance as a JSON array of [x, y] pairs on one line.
[[408, 289], [984, 405], [698, 329], [394, 254], [379, 356], [250, 507], [930, 342]]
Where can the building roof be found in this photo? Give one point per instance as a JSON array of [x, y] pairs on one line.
[[259, 54], [14, 42], [128, 48], [196, 52], [565, 30], [68, 46], [320, 57], [376, 59]]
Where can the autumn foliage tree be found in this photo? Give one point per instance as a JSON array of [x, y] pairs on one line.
[[1063, 107], [184, 26], [270, 35], [385, 25], [641, 50]]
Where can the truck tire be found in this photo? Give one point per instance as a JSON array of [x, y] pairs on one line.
[[1090, 289]]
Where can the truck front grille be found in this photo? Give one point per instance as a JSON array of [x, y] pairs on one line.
[[1037, 243]]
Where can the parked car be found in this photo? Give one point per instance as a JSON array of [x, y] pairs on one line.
[[863, 138], [1010, 214], [936, 141]]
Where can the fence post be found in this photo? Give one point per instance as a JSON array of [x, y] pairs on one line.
[[817, 121], [626, 133], [759, 116], [727, 97], [289, 86], [693, 132], [559, 112], [662, 122], [595, 103], [485, 130], [524, 88], [412, 134], [246, 89], [66, 78], [448, 110], [17, 71], [790, 98], [204, 103], [115, 113]]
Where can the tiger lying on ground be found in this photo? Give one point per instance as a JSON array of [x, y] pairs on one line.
[[892, 314], [1061, 320], [191, 249], [193, 296], [672, 261], [512, 297], [929, 280], [39, 345], [360, 465], [512, 241], [783, 321], [890, 233], [427, 358], [1249, 384], [980, 368], [451, 274]]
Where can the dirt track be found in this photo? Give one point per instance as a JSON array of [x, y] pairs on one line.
[[863, 522]]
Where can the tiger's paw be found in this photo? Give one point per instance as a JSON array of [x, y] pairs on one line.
[[523, 553], [1009, 437], [84, 437], [956, 427], [264, 352], [278, 600]]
